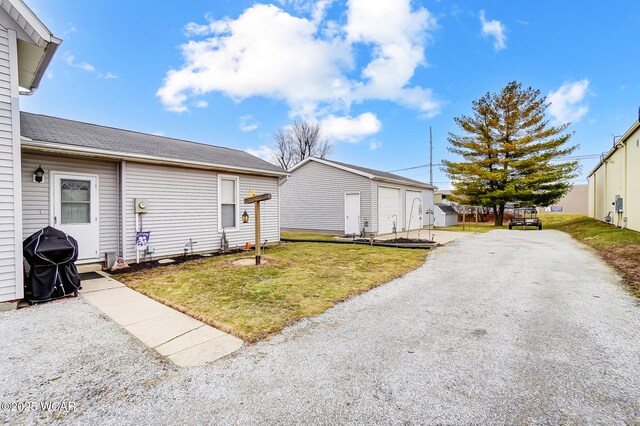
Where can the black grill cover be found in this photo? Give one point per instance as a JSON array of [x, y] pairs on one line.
[[50, 254]]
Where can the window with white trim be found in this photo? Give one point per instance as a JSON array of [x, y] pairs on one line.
[[228, 202]]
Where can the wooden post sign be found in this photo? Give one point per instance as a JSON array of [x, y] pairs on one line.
[[256, 199]]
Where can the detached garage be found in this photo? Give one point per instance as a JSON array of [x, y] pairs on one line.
[[329, 196]]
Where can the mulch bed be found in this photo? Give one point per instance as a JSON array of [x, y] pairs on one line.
[[406, 240], [150, 264]]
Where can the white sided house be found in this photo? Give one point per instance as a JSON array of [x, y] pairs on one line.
[[329, 196], [95, 177], [26, 48]]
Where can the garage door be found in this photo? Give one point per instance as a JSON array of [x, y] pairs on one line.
[[413, 211], [388, 209]]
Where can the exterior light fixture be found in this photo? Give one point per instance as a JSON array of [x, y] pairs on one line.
[[38, 175], [245, 217]]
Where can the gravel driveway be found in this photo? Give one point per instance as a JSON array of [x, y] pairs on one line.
[[505, 327]]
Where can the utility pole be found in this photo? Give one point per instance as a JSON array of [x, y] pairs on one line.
[[430, 157]]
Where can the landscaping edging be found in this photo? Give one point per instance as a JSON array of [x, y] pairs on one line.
[[425, 245]]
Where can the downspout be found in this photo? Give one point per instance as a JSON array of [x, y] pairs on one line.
[[123, 207], [624, 200], [606, 189], [119, 188], [281, 181]]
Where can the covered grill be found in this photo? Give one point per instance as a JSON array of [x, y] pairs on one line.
[[52, 273]]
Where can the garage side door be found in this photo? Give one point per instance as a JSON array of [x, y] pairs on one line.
[[388, 210], [413, 213]]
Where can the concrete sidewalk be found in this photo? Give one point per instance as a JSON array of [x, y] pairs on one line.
[[184, 340]]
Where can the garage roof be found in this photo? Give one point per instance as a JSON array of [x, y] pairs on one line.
[[43, 131], [365, 171]]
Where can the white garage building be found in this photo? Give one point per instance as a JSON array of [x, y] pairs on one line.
[[329, 196]]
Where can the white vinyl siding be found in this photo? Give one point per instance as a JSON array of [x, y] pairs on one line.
[[313, 198], [36, 197], [413, 209], [183, 204], [10, 201], [427, 204]]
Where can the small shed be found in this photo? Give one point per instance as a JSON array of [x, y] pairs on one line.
[[444, 215]]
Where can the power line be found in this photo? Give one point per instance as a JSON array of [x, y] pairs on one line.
[[570, 158]]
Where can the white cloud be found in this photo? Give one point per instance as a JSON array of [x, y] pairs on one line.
[[264, 152], [201, 104], [248, 123], [350, 129], [70, 30], [307, 62], [85, 66], [320, 9], [373, 145], [158, 133], [566, 103], [398, 36], [495, 29], [71, 61]]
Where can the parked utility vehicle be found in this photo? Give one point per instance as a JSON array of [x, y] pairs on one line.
[[527, 216]]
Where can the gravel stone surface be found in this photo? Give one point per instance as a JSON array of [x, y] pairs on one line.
[[507, 327]]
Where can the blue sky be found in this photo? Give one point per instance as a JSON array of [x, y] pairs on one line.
[[374, 74]]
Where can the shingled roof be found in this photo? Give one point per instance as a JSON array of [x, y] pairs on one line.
[[372, 173], [446, 209], [43, 130]]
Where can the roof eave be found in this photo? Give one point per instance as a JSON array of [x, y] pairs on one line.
[[21, 8], [38, 33], [114, 155], [361, 173], [331, 164], [405, 183], [50, 50], [622, 141]]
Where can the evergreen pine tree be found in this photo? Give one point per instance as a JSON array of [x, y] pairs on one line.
[[510, 152]]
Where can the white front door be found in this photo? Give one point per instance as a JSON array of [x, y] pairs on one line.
[[75, 211], [413, 210], [352, 213], [388, 210]]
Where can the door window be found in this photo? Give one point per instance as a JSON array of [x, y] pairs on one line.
[[75, 201]]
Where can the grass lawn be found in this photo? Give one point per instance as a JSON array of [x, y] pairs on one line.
[[307, 236], [620, 248], [298, 280]]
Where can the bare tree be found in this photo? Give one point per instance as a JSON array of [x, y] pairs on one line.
[[300, 141]]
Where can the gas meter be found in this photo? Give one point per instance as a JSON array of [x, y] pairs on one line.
[[141, 205]]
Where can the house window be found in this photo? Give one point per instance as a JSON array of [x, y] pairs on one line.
[[228, 202], [75, 201]]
